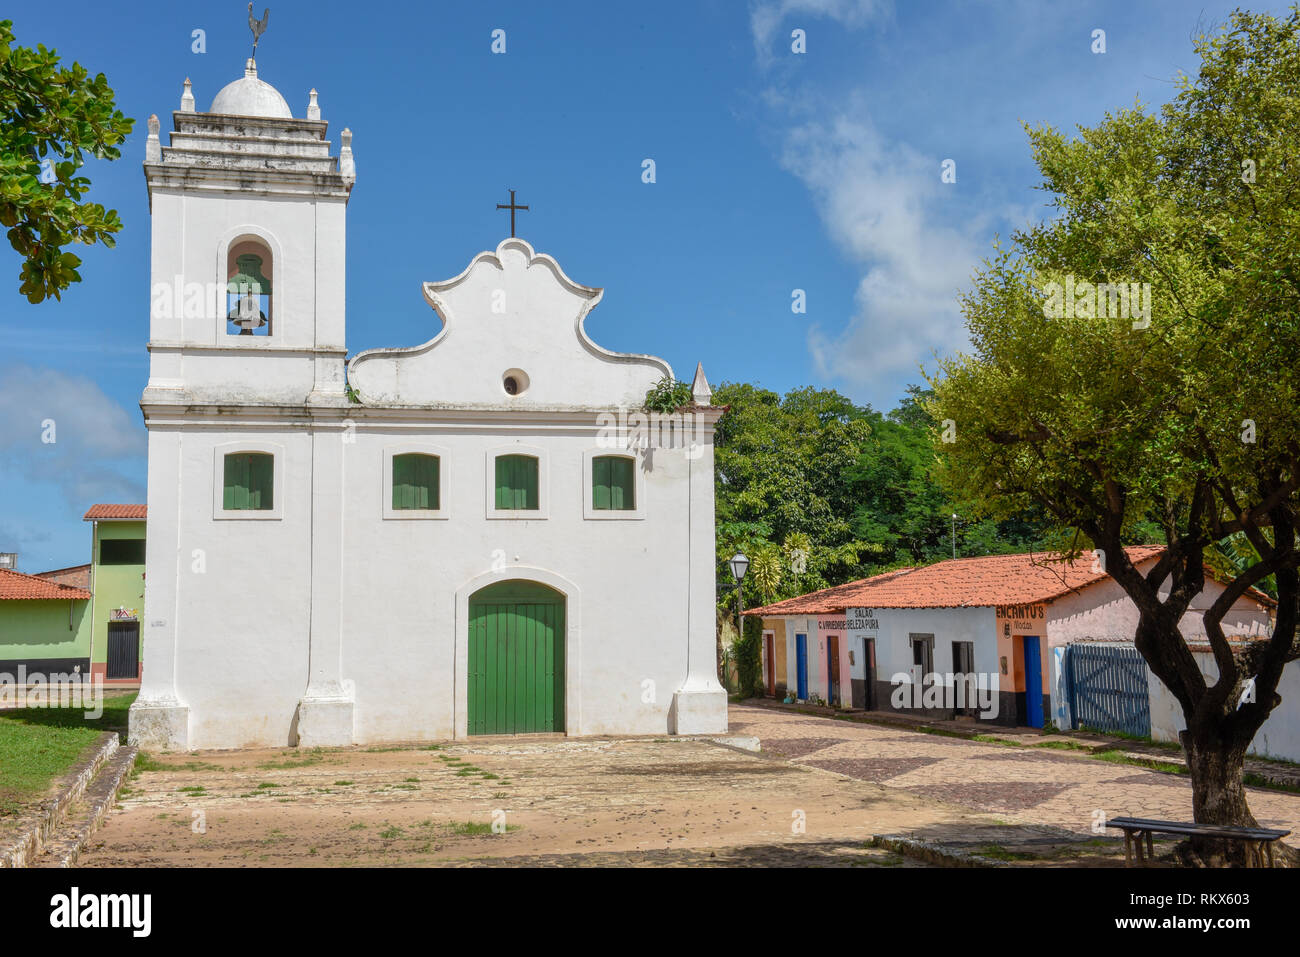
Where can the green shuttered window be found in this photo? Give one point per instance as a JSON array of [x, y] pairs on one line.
[[516, 483], [415, 482], [249, 480], [613, 483]]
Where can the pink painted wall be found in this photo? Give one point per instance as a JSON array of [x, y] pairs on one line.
[[827, 626], [1104, 611]]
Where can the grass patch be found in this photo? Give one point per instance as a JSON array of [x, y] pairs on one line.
[[40, 745], [392, 832], [1151, 764], [359, 826], [193, 789], [144, 761], [1000, 853], [1258, 781], [343, 784], [188, 766], [1063, 745], [315, 756], [476, 828], [1125, 736], [986, 739]]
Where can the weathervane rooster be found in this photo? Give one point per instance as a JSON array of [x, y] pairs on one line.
[[257, 26]]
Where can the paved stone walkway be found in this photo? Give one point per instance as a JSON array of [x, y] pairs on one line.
[[816, 794], [563, 802], [1030, 785]]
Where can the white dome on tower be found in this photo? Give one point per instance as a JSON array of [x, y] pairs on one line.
[[249, 96]]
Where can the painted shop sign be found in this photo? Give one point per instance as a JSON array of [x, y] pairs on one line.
[[862, 619], [122, 614], [1021, 619], [830, 624]]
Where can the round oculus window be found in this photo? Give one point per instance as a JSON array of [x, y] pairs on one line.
[[515, 382]]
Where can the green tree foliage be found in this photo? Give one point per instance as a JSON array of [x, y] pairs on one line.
[[748, 651], [1183, 421], [780, 465], [901, 507], [818, 491], [60, 113]]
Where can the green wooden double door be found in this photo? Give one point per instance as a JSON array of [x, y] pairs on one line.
[[516, 659]]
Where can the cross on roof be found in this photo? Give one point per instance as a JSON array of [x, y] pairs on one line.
[[512, 207]]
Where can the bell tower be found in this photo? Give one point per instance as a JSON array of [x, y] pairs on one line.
[[248, 209], [246, 345]]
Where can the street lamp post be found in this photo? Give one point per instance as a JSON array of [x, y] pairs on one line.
[[739, 565], [954, 534]]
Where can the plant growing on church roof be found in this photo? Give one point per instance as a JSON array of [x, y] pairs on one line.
[[668, 395], [53, 115]]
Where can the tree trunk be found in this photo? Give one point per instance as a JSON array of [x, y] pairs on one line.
[[1218, 795]]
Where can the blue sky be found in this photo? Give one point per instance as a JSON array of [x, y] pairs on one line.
[[775, 171]]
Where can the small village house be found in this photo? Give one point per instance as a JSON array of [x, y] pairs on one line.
[[81, 620], [117, 583], [44, 627], [1004, 619]]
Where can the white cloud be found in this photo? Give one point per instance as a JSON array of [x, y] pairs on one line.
[[883, 203], [99, 448], [766, 17]]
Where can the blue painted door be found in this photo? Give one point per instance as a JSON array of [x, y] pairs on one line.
[[801, 664], [1033, 683]]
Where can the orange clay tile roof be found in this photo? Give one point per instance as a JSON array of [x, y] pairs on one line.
[[16, 585], [827, 600], [980, 582], [101, 512]]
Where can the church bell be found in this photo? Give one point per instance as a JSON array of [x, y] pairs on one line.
[[248, 283]]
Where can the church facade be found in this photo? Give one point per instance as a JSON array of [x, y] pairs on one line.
[[481, 534]]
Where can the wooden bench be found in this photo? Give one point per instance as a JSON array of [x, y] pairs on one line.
[[1258, 840]]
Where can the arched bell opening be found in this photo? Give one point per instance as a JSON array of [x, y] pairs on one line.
[[249, 310]]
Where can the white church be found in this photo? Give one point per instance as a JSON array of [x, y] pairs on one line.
[[415, 544]]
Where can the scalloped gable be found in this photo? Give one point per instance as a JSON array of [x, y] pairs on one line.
[[512, 309]]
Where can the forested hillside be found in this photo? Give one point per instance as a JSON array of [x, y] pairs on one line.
[[818, 491]]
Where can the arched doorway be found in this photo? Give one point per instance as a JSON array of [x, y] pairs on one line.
[[516, 659]]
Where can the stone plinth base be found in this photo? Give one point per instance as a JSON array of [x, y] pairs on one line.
[[324, 722], [701, 711], [159, 726]]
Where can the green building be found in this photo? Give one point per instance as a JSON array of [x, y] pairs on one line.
[[117, 587], [51, 625], [44, 626]]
